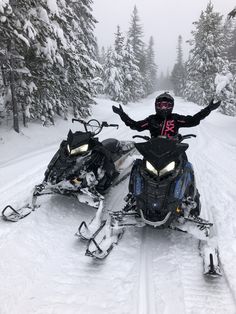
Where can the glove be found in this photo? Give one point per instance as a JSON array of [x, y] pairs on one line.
[[213, 106], [117, 110]]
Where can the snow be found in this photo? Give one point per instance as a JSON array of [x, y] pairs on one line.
[[50, 51], [25, 40], [3, 5], [53, 7], [222, 80], [60, 34], [43, 269], [43, 15], [30, 30]]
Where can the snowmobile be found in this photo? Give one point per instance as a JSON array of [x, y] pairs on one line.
[[162, 194], [82, 167]]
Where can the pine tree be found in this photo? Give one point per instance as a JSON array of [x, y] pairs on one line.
[[86, 66], [54, 52], [225, 82], [178, 72], [15, 41], [206, 57], [113, 76], [150, 68], [230, 43], [122, 77], [132, 78], [135, 37]]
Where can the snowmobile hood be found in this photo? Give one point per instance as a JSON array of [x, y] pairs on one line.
[[160, 151]]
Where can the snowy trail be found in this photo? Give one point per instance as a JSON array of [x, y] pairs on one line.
[[32, 167], [51, 264], [43, 269]]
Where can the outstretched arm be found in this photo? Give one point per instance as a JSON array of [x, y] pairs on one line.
[[135, 125], [189, 121]]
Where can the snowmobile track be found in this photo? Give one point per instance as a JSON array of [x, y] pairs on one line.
[[146, 289]]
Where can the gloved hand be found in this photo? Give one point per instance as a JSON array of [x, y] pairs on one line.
[[213, 106], [117, 110]]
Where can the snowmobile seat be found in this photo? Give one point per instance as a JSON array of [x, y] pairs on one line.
[[112, 145]]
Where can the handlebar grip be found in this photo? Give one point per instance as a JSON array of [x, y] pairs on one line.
[[147, 138], [78, 120], [105, 124], [114, 125]]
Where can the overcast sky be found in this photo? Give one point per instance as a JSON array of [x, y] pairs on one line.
[[162, 19]]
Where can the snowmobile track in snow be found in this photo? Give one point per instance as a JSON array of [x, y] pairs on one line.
[[146, 290]]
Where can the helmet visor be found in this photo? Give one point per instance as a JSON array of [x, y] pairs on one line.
[[164, 105]]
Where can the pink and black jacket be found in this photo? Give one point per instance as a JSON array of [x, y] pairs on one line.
[[168, 126]]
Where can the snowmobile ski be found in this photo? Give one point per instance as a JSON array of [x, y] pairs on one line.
[[211, 261], [103, 240], [87, 230], [11, 214]]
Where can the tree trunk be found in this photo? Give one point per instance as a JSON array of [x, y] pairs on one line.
[[23, 115], [12, 85]]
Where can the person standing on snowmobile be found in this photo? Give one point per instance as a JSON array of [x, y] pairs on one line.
[[164, 122]]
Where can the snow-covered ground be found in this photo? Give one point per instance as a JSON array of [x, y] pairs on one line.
[[43, 269]]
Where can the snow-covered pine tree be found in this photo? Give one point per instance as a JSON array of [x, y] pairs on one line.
[[97, 80], [230, 43], [135, 37], [113, 76], [56, 46], [15, 41], [151, 68], [225, 82], [102, 54], [178, 72], [114, 72], [206, 57], [83, 70], [45, 59], [132, 77]]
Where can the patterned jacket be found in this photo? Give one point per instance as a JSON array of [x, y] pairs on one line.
[[168, 126]]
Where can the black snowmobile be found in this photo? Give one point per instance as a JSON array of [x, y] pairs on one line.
[[162, 194], [82, 167]]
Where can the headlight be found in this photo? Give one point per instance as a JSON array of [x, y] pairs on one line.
[[78, 150], [151, 168], [168, 168]]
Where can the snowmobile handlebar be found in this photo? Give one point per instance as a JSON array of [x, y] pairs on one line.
[[184, 137], [178, 137], [78, 120], [105, 124], [95, 125], [146, 138]]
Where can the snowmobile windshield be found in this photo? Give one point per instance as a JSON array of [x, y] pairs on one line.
[[161, 151]]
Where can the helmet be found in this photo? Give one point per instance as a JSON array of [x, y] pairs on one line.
[[164, 104]]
